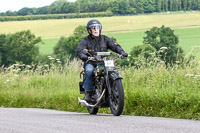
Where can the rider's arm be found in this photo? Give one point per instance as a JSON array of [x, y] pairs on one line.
[[79, 50], [114, 46]]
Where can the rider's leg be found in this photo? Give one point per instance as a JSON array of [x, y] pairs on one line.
[[88, 81]]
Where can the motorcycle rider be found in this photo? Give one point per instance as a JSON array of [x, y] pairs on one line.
[[94, 42]]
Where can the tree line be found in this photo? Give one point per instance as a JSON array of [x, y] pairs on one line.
[[115, 6]]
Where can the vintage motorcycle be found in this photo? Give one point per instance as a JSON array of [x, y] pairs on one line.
[[108, 89]]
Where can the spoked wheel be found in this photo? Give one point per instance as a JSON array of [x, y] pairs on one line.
[[92, 111], [117, 97]]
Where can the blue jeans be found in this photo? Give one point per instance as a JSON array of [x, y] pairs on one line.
[[88, 77]]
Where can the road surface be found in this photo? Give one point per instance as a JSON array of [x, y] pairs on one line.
[[23, 120]]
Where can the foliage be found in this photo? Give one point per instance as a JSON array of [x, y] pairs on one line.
[[2, 41], [65, 48], [20, 47], [139, 52], [157, 91], [165, 41]]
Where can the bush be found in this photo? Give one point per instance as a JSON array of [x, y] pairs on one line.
[[65, 48], [164, 40], [142, 51], [20, 47]]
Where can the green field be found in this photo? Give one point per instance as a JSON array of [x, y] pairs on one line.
[[129, 30], [189, 40]]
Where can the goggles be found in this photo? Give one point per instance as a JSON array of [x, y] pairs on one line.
[[95, 26]]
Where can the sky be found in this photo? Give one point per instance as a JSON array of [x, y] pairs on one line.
[[15, 5]]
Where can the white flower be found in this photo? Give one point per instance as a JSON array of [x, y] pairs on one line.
[[59, 61], [163, 48], [189, 75], [15, 70], [46, 65], [16, 75], [28, 66], [152, 53], [16, 64], [51, 58]]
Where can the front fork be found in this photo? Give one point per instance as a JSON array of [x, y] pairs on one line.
[[114, 76]]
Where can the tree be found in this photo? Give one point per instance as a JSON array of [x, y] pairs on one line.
[[27, 11], [164, 37], [2, 54], [42, 10], [21, 47], [66, 47]]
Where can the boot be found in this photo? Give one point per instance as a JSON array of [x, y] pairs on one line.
[[87, 97]]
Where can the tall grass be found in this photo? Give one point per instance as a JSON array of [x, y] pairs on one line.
[[149, 91]]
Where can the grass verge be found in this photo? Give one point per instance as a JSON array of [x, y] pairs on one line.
[[155, 91]]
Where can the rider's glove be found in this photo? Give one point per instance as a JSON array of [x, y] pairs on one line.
[[124, 54], [91, 58], [84, 57]]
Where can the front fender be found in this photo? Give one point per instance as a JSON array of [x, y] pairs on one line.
[[115, 76]]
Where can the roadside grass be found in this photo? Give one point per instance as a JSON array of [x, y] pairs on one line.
[[172, 92]]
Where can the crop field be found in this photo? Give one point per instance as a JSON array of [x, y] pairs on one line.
[[128, 30]]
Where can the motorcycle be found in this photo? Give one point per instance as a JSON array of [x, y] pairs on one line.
[[108, 89]]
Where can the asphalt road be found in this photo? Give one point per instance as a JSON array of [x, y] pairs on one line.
[[25, 120]]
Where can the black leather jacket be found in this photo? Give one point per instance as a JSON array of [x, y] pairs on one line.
[[99, 44]]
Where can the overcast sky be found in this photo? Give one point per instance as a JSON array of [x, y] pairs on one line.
[[15, 5]]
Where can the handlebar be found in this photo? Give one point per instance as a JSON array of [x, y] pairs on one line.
[[96, 58]]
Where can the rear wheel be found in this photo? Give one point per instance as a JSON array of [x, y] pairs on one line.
[[92, 111], [116, 100]]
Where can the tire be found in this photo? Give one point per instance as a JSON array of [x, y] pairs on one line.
[[116, 101], [92, 111]]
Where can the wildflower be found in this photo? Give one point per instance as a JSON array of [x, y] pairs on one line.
[[28, 66], [15, 70], [177, 62], [46, 65], [191, 75], [51, 58], [196, 76], [59, 61], [16, 75], [16, 64], [163, 48]]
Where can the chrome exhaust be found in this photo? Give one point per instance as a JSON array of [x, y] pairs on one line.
[[85, 104]]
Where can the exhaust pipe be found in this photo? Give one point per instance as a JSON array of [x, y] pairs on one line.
[[85, 104]]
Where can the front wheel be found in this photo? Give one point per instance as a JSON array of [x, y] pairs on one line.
[[117, 97]]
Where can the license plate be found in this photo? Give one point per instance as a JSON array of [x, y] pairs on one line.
[[109, 63]]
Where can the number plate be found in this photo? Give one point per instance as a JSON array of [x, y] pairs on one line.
[[109, 63]]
